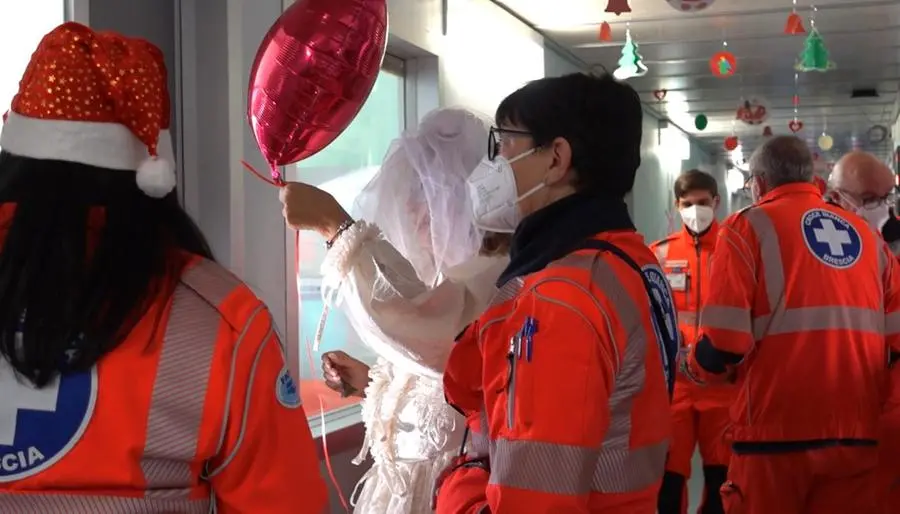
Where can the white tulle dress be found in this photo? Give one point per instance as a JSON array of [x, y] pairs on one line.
[[411, 433]]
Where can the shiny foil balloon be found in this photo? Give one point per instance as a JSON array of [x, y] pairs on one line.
[[312, 74]]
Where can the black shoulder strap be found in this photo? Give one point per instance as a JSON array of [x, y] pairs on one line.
[[670, 348]]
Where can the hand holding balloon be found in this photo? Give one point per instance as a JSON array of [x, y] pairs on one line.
[[307, 207]]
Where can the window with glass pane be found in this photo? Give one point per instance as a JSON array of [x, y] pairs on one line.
[[26, 24], [342, 169]]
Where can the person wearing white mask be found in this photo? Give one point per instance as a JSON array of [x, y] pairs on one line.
[[862, 183], [700, 415], [410, 273]]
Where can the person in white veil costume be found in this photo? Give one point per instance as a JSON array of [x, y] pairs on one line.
[[410, 274]]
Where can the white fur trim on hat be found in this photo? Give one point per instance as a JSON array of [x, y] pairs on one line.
[[105, 145]]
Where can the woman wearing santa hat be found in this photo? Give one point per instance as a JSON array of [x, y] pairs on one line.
[[410, 274], [136, 374]]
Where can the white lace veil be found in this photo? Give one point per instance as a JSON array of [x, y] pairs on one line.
[[418, 198]]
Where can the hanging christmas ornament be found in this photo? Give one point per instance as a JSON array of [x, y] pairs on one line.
[[631, 63], [825, 142], [617, 7], [877, 134], [605, 32], [795, 126], [690, 5], [723, 64], [701, 121], [794, 23], [752, 111], [660, 94], [814, 56], [767, 131], [731, 142]]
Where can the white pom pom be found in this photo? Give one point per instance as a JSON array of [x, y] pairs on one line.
[[156, 177]]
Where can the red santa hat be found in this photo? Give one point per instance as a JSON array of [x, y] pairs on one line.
[[96, 98]]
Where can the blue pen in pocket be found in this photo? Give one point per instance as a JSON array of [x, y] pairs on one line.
[[529, 330]]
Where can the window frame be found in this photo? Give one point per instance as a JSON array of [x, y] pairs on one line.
[[343, 417]]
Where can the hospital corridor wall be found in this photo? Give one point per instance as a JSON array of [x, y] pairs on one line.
[[472, 56]]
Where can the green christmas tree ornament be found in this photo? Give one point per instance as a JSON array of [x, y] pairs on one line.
[[701, 122], [814, 56], [631, 64]]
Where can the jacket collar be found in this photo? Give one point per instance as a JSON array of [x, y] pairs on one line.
[[707, 237], [798, 188], [559, 228]]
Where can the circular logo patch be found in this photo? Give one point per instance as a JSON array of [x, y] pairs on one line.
[[286, 390], [38, 427], [661, 295], [831, 238]]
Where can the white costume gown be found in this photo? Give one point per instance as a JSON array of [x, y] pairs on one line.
[[411, 432]]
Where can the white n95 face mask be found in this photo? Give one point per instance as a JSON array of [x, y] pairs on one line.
[[492, 191], [697, 217], [875, 216]]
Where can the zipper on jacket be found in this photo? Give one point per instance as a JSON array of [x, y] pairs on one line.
[[511, 362], [699, 280]]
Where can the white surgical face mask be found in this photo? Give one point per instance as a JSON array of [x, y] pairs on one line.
[[876, 216], [697, 217], [493, 193]]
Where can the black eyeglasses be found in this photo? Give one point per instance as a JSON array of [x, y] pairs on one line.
[[495, 139]]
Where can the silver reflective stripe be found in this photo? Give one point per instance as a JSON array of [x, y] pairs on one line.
[[727, 318], [180, 387], [687, 317], [20, 503], [770, 255], [479, 440], [638, 468], [892, 324], [805, 319], [544, 467]]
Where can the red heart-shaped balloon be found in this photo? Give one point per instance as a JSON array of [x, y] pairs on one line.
[[795, 126], [660, 94], [312, 73]]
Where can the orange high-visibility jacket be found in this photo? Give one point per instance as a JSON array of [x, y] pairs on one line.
[[198, 409], [563, 384], [805, 300], [685, 258]]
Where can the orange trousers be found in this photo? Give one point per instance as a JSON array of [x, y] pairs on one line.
[[889, 462], [837, 480]]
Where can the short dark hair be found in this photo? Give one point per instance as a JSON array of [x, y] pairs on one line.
[[600, 117], [695, 180]]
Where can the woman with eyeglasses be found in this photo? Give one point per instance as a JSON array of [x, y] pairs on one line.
[[410, 273]]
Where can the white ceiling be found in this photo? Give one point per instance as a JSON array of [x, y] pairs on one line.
[[863, 37]]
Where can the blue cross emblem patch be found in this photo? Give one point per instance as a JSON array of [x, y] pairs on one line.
[[38, 427], [831, 238]]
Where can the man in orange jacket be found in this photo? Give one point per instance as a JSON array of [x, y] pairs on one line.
[[564, 379], [861, 183], [805, 300], [699, 414], [136, 374]]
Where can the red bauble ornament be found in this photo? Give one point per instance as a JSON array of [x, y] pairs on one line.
[[731, 142], [660, 94], [617, 7], [795, 126], [312, 73], [723, 64], [767, 131]]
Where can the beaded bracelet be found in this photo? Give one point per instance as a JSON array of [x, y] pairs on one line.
[[341, 229]]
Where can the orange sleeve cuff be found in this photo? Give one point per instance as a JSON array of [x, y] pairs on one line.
[[463, 492]]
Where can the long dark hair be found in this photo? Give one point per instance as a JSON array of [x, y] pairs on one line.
[[74, 290]]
